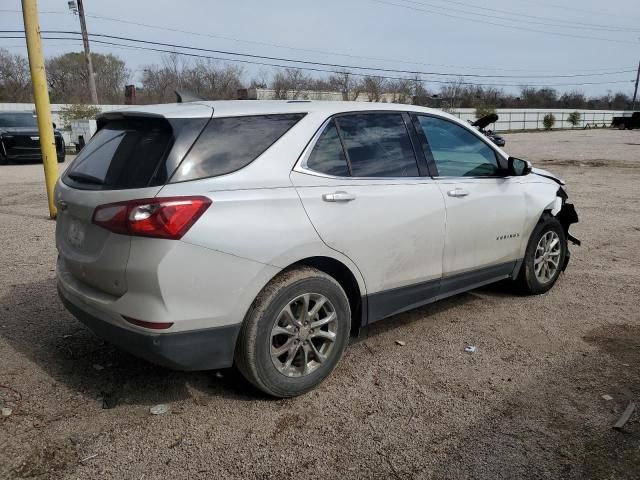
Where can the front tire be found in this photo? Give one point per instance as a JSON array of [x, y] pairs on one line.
[[544, 258], [295, 333]]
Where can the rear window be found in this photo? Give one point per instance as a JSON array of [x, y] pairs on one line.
[[328, 156], [378, 145], [124, 154], [231, 143]]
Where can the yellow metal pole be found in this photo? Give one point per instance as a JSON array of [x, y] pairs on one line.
[[41, 97]]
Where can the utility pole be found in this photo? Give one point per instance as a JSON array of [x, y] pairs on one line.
[[635, 92], [41, 97], [87, 54]]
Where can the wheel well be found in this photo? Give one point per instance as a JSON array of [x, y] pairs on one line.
[[347, 281]]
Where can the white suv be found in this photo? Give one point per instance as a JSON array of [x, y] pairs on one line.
[[261, 234]]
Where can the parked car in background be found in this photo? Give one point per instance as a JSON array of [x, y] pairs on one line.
[[482, 123], [626, 121], [20, 138], [264, 233]]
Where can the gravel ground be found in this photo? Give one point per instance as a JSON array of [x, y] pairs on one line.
[[527, 404]]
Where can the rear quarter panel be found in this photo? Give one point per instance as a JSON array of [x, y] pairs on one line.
[[263, 225]]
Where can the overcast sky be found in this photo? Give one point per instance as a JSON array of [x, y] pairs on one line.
[[489, 37]]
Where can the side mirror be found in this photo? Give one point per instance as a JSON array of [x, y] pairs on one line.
[[54, 125], [519, 167]]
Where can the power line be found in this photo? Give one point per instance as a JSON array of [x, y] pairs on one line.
[[324, 52], [70, 42], [519, 28], [556, 22], [314, 69], [23, 46], [322, 64], [367, 75], [580, 10]]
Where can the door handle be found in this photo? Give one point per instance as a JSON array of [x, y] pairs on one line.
[[338, 197], [458, 193]]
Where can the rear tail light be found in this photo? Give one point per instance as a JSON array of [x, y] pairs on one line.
[[169, 217]]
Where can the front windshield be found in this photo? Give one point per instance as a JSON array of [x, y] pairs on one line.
[[17, 120]]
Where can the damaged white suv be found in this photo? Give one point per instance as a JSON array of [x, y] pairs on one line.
[[262, 234]]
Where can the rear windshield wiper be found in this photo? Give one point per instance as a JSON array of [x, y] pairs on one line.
[[85, 178]]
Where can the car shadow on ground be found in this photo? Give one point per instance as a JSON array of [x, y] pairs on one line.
[[36, 325]]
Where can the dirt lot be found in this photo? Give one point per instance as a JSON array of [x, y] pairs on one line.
[[527, 404]]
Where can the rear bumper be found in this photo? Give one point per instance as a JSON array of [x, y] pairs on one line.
[[202, 349]]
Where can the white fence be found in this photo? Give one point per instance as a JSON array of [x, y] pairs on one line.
[[509, 118], [531, 118]]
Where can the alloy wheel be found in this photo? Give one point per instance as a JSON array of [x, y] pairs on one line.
[[303, 335], [546, 261]]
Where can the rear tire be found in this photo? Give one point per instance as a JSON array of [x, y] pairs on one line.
[[61, 160], [544, 258], [279, 321]]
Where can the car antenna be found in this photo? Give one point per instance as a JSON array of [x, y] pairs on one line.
[[183, 96]]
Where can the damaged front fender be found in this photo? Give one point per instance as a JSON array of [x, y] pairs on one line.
[[567, 215]]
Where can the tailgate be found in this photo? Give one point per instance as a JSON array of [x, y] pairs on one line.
[[130, 157], [93, 255]]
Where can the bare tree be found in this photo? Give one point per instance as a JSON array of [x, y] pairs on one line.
[[346, 84], [15, 79], [160, 81], [373, 88], [421, 96], [207, 79], [573, 99], [212, 81], [157, 85], [450, 94], [260, 80], [290, 84], [534, 97], [402, 90]]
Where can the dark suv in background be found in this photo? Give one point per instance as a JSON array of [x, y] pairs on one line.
[[20, 139]]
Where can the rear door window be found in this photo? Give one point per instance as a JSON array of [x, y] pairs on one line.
[[231, 143], [124, 154], [378, 145], [328, 156]]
